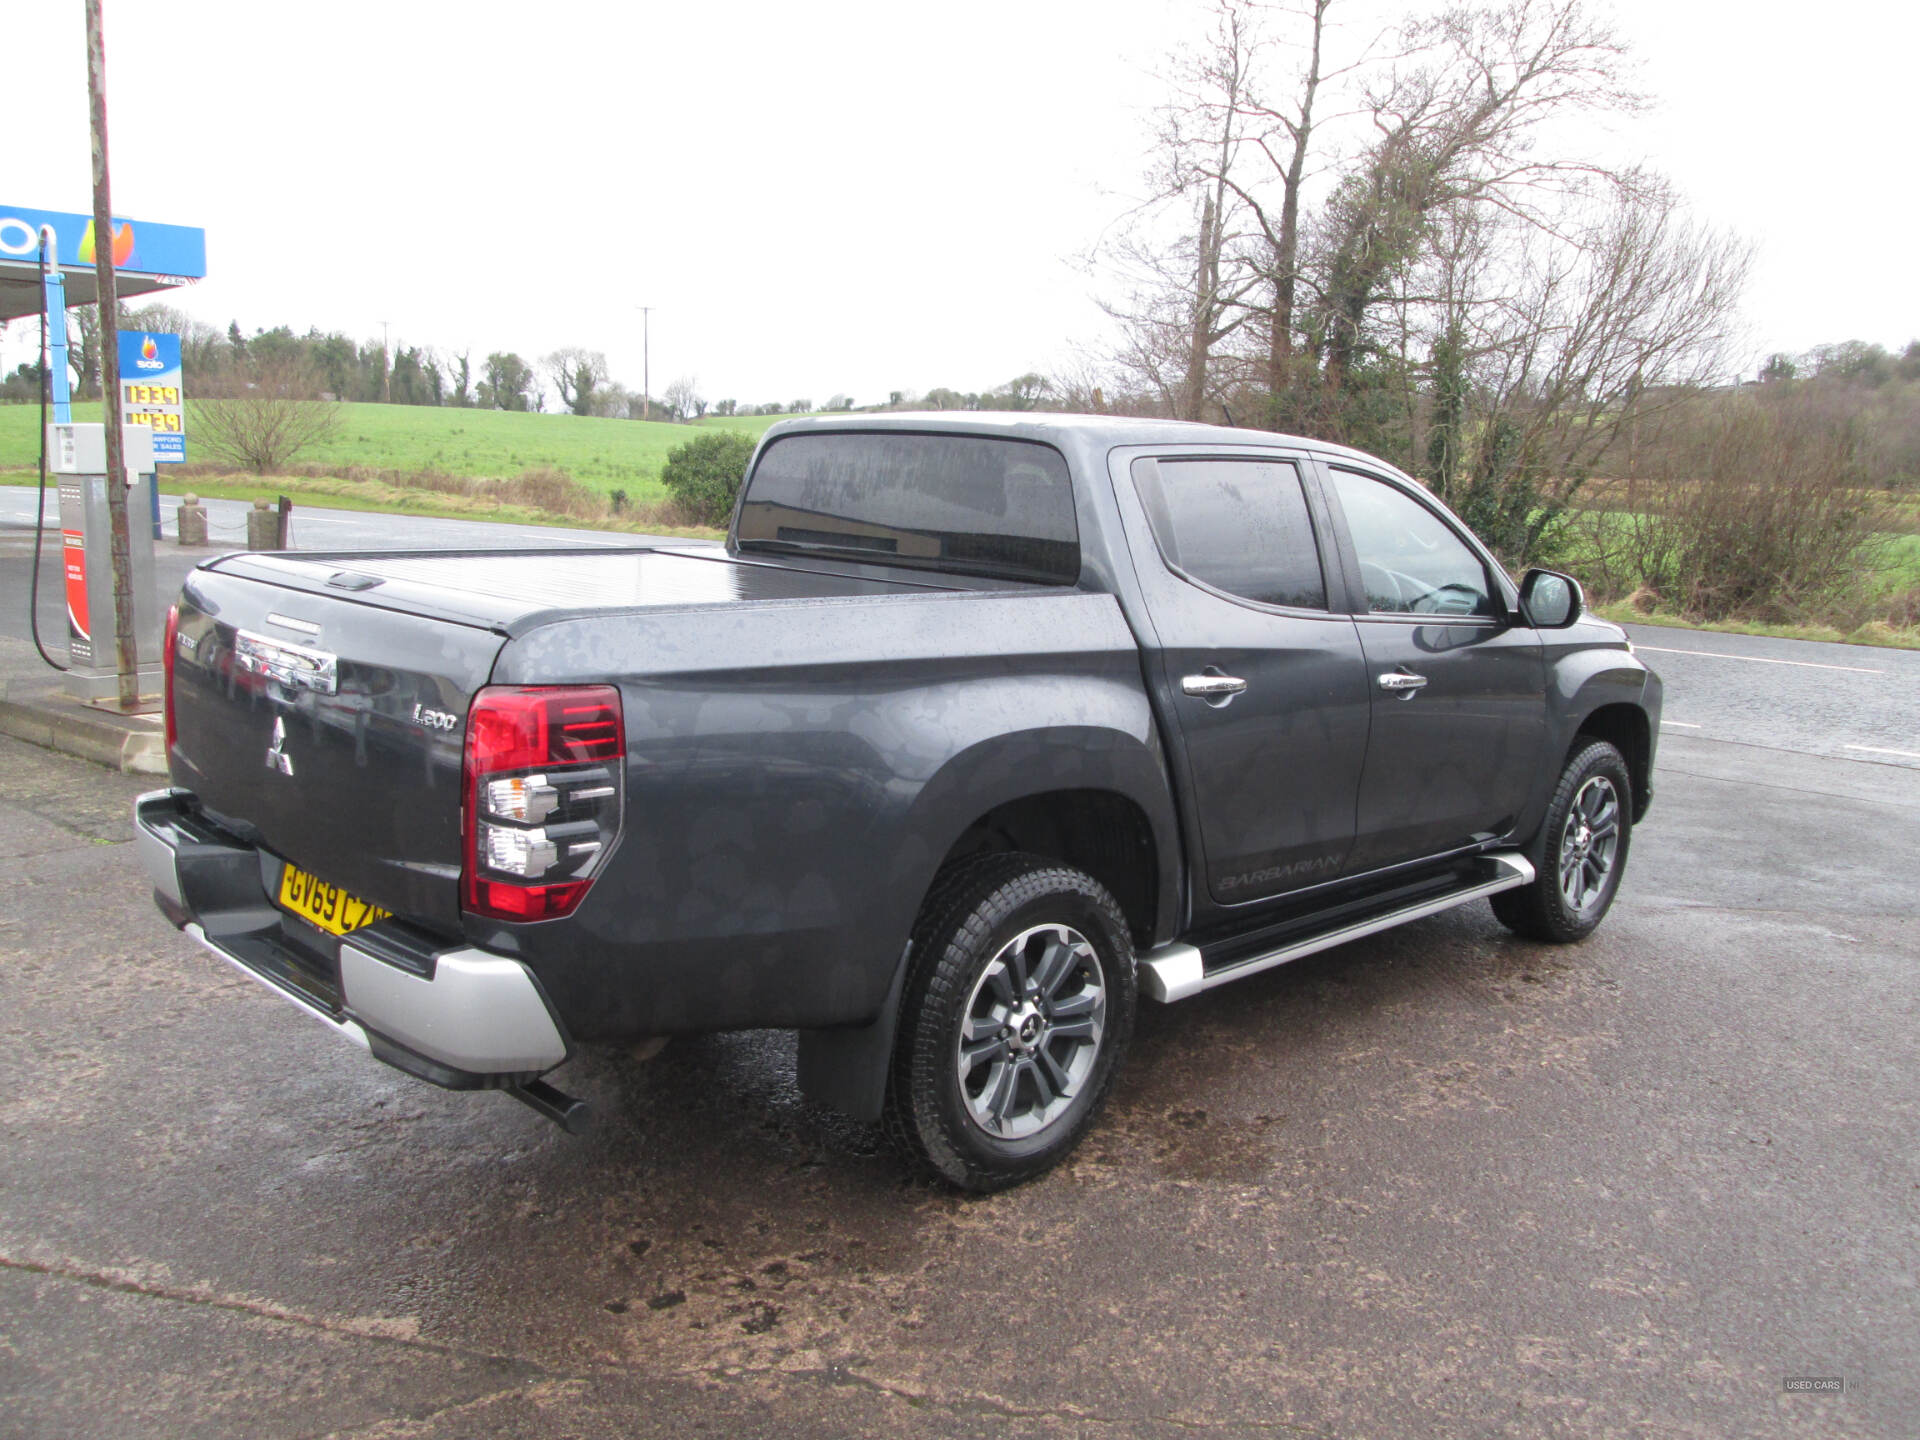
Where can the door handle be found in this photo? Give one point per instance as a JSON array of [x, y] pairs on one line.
[[1213, 687], [1402, 682]]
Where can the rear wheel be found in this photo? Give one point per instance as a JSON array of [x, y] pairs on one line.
[[1588, 827], [1017, 1012]]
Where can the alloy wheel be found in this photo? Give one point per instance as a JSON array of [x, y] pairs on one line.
[[1589, 843], [1031, 1031]]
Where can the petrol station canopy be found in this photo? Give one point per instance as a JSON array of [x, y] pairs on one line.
[[147, 258]]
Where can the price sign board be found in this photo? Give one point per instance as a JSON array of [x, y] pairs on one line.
[[151, 393]]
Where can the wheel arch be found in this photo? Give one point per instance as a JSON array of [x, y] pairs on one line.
[[1104, 833], [1048, 792], [1625, 726]]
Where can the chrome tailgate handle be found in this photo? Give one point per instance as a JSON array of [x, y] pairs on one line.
[[1402, 682]]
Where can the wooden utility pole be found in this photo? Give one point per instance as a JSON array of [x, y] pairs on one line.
[[127, 653], [386, 368], [646, 366]]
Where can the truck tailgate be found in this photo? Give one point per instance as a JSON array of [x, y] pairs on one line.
[[328, 730]]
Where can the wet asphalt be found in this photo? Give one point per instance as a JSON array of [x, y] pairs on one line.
[[1440, 1182]]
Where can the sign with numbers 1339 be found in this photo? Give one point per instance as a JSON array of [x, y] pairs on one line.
[[151, 393]]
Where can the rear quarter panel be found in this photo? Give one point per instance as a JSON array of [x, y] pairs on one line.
[[795, 775]]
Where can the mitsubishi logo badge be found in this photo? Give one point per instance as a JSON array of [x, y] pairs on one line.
[[277, 757]]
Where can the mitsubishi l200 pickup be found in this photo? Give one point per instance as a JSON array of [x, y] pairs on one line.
[[976, 730]]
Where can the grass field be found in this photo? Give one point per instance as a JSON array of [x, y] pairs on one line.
[[609, 455], [1622, 613], [319, 493], [604, 454]]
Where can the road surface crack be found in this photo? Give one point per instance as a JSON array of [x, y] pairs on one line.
[[971, 1403], [400, 1425], [384, 1332]]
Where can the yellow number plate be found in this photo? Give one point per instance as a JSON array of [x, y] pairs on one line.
[[327, 906]]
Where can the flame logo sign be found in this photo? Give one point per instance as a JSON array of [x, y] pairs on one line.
[[148, 349], [122, 244]]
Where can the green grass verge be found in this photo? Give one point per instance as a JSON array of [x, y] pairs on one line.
[[1900, 562], [1875, 633], [606, 455], [375, 495]]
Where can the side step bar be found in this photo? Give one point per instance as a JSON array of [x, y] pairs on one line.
[[1177, 971]]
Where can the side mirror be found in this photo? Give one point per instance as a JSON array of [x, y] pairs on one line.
[[1550, 600]]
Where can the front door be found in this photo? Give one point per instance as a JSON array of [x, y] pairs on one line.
[[1455, 681], [1263, 684]]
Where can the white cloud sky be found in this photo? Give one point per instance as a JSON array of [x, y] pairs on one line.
[[844, 196]]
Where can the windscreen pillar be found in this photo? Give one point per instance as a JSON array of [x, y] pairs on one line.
[[77, 454]]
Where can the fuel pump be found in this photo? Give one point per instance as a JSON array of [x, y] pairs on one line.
[[77, 454]]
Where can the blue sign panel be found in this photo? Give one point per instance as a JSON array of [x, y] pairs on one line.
[[169, 252], [151, 393]]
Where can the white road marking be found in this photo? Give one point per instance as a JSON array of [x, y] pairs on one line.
[[1758, 659], [1678, 725], [1877, 750]]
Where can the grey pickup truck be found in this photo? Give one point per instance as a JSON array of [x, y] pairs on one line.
[[977, 729]]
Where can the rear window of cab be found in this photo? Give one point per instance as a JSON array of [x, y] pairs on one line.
[[972, 504]]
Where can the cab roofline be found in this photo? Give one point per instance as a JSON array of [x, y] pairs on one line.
[[1052, 427]]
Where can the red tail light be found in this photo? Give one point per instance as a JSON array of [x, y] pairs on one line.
[[542, 797], [168, 644]]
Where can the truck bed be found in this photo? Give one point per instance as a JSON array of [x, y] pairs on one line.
[[511, 591]]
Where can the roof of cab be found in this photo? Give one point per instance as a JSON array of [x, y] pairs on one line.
[[1112, 430]]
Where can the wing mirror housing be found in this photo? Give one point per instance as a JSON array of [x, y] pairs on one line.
[[1550, 600]]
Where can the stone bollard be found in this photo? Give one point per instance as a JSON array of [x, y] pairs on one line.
[[263, 526], [191, 525]]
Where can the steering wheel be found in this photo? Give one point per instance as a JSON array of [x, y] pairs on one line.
[[1465, 600], [1380, 583]]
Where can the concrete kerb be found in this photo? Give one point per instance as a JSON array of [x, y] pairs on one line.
[[42, 713]]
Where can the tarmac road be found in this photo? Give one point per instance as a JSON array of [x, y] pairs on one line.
[[1854, 702], [1439, 1183], [317, 529], [227, 530]]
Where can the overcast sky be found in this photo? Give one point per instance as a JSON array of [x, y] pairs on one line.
[[839, 196]]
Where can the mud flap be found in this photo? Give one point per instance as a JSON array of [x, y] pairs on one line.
[[846, 1068]]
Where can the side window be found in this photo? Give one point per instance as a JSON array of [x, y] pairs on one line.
[[1238, 525], [1410, 561]]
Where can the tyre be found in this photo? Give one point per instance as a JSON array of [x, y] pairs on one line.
[[1582, 854], [1017, 1012]]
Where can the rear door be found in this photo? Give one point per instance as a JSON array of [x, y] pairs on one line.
[[1455, 678], [1263, 683]]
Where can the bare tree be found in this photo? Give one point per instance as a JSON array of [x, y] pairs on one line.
[[1185, 291], [1220, 77], [459, 379], [684, 399], [1457, 127], [1241, 131], [1574, 339], [203, 348], [1280, 133], [262, 413], [614, 401], [85, 354], [576, 374]]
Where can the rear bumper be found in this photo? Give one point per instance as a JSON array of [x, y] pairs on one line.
[[456, 1015]]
